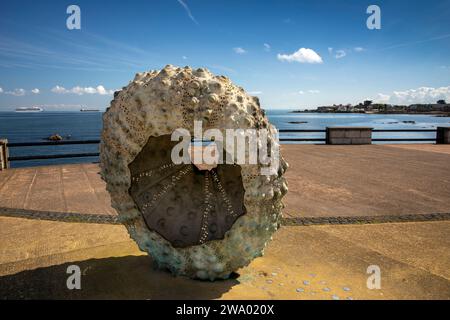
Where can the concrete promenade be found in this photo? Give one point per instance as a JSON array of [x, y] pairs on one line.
[[329, 183]]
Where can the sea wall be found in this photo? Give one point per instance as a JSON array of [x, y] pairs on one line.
[[443, 135], [349, 135]]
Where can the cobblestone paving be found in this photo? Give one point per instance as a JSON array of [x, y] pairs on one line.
[[306, 221], [60, 216], [287, 221]]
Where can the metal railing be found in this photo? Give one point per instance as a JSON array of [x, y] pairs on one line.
[[51, 143], [52, 156], [373, 139], [302, 139], [284, 139], [404, 139]]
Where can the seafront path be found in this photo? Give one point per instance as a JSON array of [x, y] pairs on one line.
[[348, 208]]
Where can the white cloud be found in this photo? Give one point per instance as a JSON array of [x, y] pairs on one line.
[[419, 95], [16, 92], [80, 90], [102, 91], [184, 57], [267, 47], [340, 54], [239, 50], [382, 98], [302, 55], [188, 11], [19, 92], [83, 90], [58, 89], [302, 92], [255, 92]]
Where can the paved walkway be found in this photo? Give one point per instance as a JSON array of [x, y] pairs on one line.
[[315, 262], [367, 180], [324, 181], [65, 188], [329, 184]]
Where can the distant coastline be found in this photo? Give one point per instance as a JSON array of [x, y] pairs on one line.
[[439, 109], [430, 113]]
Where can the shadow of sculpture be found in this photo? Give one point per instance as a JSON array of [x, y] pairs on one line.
[[129, 277]]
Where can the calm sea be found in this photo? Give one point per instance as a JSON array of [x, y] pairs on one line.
[[26, 127]]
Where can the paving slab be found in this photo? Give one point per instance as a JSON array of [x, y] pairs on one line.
[[316, 262], [324, 181], [331, 184], [75, 188], [366, 180]]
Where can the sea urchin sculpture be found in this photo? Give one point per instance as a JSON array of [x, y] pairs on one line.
[[203, 223]]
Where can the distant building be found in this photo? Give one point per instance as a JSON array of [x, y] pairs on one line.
[[429, 107], [326, 109], [370, 107]]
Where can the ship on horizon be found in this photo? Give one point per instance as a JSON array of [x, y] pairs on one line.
[[29, 109], [89, 110]]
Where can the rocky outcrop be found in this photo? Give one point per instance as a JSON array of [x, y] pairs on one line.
[[55, 137]]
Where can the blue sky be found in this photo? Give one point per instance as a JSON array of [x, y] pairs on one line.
[[406, 61]]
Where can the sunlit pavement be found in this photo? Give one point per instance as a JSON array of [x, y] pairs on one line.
[[302, 262], [315, 262]]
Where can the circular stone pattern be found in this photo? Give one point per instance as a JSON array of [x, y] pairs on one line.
[[200, 223]]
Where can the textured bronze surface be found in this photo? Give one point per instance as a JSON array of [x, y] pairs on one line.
[[183, 204]]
